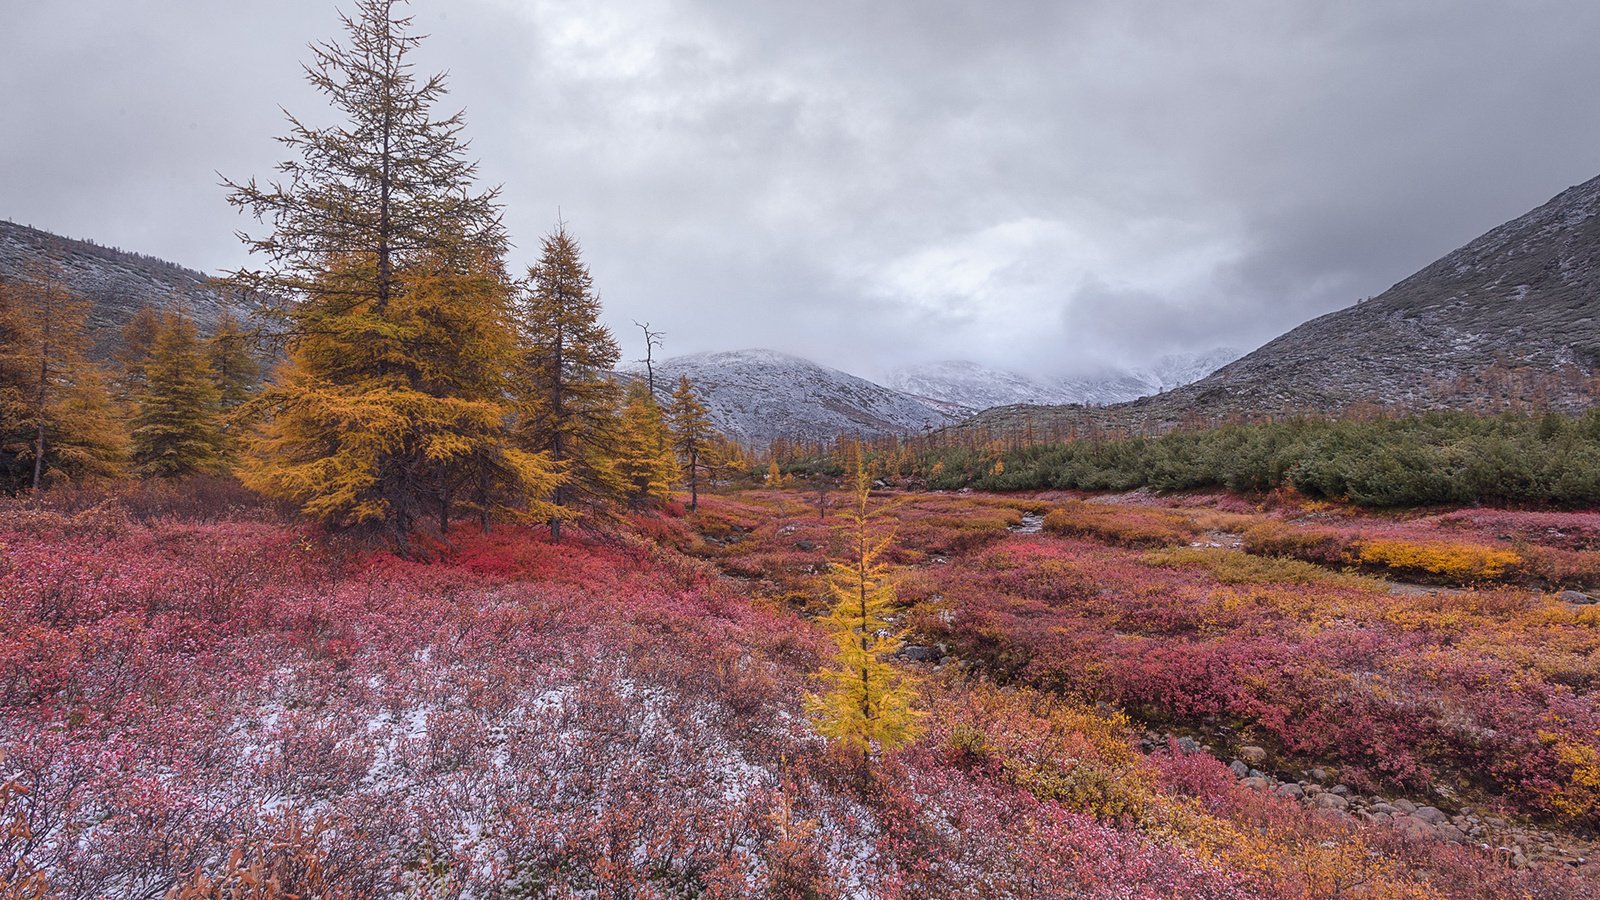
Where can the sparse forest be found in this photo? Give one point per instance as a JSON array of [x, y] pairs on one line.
[[398, 587]]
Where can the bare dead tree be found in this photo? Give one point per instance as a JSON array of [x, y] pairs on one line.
[[652, 341]]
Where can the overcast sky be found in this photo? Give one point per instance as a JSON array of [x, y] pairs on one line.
[[1044, 185]]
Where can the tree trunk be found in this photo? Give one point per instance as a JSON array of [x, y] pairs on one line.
[[694, 480], [39, 406]]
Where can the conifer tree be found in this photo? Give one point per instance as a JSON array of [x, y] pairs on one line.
[[233, 360], [569, 398], [177, 429], [869, 703], [392, 403], [134, 342], [645, 460], [59, 422], [692, 436]]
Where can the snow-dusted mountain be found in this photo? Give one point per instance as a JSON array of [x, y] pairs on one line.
[[1510, 320], [117, 283], [755, 396], [973, 386], [1178, 369], [977, 387]]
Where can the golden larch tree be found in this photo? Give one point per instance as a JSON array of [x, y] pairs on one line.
[[177, 427], [392, 407], [230, 351], [868, 704], [59, 422], [693, 436], [645, 460]]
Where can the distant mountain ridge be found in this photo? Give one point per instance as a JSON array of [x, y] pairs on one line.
[[117, 283], [756, 396], [1510, 320], [975, 387]]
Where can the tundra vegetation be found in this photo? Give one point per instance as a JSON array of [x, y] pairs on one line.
[[423, 611]]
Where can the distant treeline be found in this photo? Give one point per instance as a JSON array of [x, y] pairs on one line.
[[1440, 457]]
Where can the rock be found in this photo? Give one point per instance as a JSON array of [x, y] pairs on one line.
[[1447, 832], [1431, 815], [1331, 801], [1319, 775], [806, 546], [917, 653], [1291, 790], [1257, 773], [1405, 806], [1341, 790], [1377, 818], [1336, 815], [1575, 597], [1254, 783], [1252, 754], [1188, 745], [1239, 769], [1413, 828], [1382, 806]]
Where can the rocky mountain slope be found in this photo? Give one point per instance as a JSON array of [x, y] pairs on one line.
[[975, 387], [116, 282], [755, 396], [1511, 320]]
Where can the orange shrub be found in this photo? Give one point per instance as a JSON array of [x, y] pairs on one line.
[[1123, 525], [1310, 544]]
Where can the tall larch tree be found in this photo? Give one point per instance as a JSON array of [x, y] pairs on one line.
[[394, 305], [177, 426], [692, 436], [569, 394], [645, 459], [868, 704], [60, 423]]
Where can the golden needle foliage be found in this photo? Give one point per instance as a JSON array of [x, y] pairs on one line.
[[869, 703]]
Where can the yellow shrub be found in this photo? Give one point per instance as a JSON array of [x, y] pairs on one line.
[[1456, 563], [1579, 796], [1238, 567]]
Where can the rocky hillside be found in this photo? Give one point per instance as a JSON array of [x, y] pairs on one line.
[[117, 282], [1511, 320], [973, 386], [757, 395]]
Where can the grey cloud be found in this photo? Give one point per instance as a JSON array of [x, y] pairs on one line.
[[1033, 184]]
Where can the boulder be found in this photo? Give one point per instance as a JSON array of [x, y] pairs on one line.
[[1239, 769], [1291, 790], [1413, 828], [1575, 597], [918, 653], [1431, 815], [1255, 783], [1253, 754], [1332, 801]]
